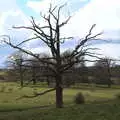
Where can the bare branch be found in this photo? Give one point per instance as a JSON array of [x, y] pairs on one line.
[[90, 31], [66, 38], [65, 22], [30, 53], [43, 39], [62, 40], [59, 10], [27, 41], [4, 37], [22, 27], [92, 37], [84, 41], [38, 29], [52, 10], [36, 94]]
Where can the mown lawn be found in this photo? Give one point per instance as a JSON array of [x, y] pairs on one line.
[[104, 111], [100, 104]]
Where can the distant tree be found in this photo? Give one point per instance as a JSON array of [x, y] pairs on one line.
[[50, 34], [103, 70], [15, 65], [32, 65], [83, 71], [38, 69]]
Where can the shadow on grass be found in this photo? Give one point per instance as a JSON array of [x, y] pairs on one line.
[[25, 109]]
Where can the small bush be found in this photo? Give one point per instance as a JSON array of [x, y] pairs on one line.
[[79, 98], [118, 96]]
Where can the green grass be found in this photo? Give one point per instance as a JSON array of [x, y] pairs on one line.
[[2, 73], [107, 111], [13, 91], [95, 108]]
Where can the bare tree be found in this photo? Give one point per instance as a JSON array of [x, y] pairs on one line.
[[104, 67], [37, 68], [53, 40], [15, 62], [32, 65], [83, 71]]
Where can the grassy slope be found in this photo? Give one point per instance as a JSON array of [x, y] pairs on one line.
[[8, 98], [13, 109]]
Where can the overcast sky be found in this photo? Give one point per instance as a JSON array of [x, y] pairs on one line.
[[104, 13]]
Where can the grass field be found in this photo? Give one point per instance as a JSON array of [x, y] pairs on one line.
[[75, 112], [100, 104]]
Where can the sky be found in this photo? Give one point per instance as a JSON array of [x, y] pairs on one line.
[[104, 13]]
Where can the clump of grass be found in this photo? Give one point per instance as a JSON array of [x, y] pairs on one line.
[[2, 88], [5, 101], [10, 90], [79, 98]]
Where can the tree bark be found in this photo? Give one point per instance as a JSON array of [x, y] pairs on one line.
[[109, 76], [48, 81], [34, 81], [59, 92], [21, 76], [33, 76]]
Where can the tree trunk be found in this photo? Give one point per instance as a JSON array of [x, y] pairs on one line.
[[109, 82], [48, 81], [59, 92], [21, 76], [34, 81], [33, 76], [109, 85], [109, 77]]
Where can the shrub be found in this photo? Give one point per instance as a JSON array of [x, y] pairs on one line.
[[79, 98], [118, 96]]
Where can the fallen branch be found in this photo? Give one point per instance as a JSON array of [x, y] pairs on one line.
[[36, 94]]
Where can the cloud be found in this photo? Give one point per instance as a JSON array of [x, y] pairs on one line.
[[2, 60], [11, 14], [39, 6], [36, 46], [103, 13], [109, 50], [6, 5], [43, 5]]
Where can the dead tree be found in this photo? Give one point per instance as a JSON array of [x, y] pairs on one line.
[[15, 62], [53, 40], [104, 67]]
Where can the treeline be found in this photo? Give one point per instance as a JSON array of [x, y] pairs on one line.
[[24, 70]]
